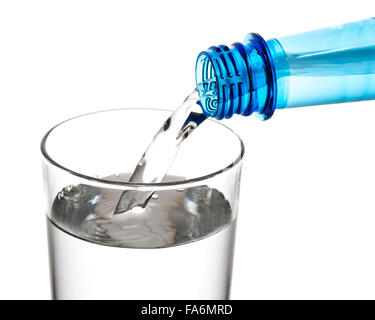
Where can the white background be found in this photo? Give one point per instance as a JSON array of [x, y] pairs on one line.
[[307, 211]]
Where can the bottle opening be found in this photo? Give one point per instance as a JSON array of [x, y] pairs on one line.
[[222, 81], [207, 85], [239, 79]]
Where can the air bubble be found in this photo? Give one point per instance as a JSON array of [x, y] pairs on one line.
[[141, 163], [68, 188], [138, 209]]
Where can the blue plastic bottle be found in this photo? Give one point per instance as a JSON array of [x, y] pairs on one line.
[[319, 67]]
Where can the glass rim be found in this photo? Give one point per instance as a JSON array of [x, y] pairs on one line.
[[105, 181]]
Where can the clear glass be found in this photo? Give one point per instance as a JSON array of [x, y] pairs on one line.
[[180, 246]]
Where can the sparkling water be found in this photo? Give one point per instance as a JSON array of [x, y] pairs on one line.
[[95, 255], [171, 217], [159, 156]]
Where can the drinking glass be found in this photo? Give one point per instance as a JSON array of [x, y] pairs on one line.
[[178, 246]]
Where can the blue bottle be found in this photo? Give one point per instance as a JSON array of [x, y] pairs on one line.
[[319, 67]]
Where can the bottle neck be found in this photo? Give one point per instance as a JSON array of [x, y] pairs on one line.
[[330, 65], [240, 79]]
